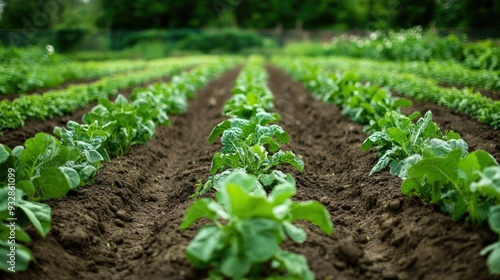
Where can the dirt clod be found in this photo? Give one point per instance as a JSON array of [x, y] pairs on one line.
[[349, 251]]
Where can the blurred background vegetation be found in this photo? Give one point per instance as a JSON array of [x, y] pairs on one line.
[[103, 29]]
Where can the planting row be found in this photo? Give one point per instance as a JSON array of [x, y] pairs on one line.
[[443, 72], [25, 69], [435, 166], [466, 101], [25, 77], [14, 113], [252, 212], [48, 167]]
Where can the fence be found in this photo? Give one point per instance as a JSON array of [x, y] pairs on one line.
[[103, 40]]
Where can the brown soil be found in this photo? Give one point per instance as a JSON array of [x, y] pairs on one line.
[[18, 136], [126, 225]]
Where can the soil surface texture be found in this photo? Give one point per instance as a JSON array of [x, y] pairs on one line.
[[126, 225]]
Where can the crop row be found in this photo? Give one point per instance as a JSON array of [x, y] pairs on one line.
[[252, 212], [464, 100], [14, 113], [48, 167], [435, 166], [445, 72], [21, 78]]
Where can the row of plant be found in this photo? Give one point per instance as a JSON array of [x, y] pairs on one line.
[[36, 56], [464, 100], [435, 166], [49, 166], [253, 211], [416, 45], [25, 69], [13, 114], [25, 77], [444, 72]]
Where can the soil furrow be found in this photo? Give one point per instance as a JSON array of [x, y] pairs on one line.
[[18, 136], [380, 233], [126, 225], [107, 230]]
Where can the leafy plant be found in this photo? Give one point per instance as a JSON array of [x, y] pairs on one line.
[[250, 93], [254, 146], [59, 102], [400, 142], [89, 140], [493, 250], [364, 104], [40, 170], [26, 213], [125, 125], [249, 227], [463, 100], [450, 180]]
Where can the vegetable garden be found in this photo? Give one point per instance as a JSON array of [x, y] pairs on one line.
[[217, 167]]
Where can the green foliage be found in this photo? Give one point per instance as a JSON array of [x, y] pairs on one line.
[[250, 142], [27, 213], [407, 45], [68, 38], [89, 140], [464, 100], [29, 69], [447, 72], [40, 170], [249, 227], [450, 181], [364, 104], [415, 45], [124, 125], [60, 102], [250, 93], [400, 142], [436, 167], [48, 168], [222, 41], [254, 146], [249, 224], [494, 249], [482, 55], [304, 49]]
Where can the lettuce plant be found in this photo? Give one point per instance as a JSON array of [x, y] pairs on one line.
[[400, 142], [253, 145], [248, 228], [40, 170]]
